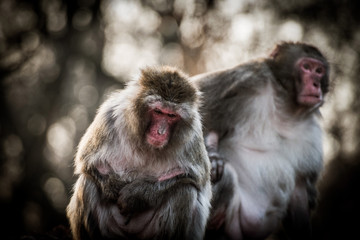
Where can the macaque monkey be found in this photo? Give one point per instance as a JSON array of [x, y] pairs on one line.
[[143, 168], [262, 119]]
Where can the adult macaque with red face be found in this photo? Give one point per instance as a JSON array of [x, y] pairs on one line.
[[262, 118], [143, 168]]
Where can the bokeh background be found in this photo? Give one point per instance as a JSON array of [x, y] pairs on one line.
[[60, 59]]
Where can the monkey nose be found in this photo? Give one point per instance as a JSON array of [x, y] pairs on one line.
[[161, 130], [316, 83]]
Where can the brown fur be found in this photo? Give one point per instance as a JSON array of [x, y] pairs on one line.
[[119, 193], [169, 83]]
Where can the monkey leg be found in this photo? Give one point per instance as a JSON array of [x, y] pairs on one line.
[[297, 221]]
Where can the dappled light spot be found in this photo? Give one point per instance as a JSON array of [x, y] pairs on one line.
[[172, 54], [232, 7], [88, 95], [80, 116], [317, 36], [89, 44], [30, 41], [11, 58], [11, 169], [331, 147], [291, 31], [36, 124], [344, 97], [55, 191], [82, 19], [56, 15], [13, 146], [242, 28], [60, 138], [122, 10], [32, 216], [125, 58], [81, 70], [350, 137], [131, 40], [191, 30]]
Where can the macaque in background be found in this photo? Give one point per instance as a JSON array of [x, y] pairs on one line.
[[143, 168], [262, 118]]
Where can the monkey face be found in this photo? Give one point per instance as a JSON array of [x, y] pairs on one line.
[[311, 72], [162, 122], [303, 71]]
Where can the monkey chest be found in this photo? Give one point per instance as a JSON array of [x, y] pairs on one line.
[[272, 167]]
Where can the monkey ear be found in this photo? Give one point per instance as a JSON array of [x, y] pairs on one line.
[[278, 48], [274, 53]]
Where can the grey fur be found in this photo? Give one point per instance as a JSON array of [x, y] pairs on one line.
[[272, 146]]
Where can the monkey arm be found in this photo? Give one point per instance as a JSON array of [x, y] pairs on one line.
[[222, 192], [109, 185], [312, 190], [149, 193], [217, 162]]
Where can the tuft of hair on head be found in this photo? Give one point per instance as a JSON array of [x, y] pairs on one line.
[[296, 47], [168, 82], [282, 46]]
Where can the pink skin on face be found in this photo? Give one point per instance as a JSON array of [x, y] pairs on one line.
[[158, 135], [162, 122], [311, 71]]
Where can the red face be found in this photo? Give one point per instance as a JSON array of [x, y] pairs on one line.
[[162, 123], [309, 88]]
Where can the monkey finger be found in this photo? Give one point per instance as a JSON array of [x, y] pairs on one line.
[[211, 141], [217, 169], [220, 168], [213, 174]]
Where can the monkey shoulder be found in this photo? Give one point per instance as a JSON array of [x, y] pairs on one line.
[[238, 74]]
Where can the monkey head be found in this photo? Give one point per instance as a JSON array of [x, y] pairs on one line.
[[303, 71], [165, 106]]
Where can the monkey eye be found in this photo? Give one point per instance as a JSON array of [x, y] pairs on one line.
[[306, 66], [319, 70], [171, 115], [158, 111]]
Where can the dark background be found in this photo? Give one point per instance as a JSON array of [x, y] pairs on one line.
[[59, 60]]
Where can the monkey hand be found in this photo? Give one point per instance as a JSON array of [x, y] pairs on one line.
[[109, 184], [136, 196], [110, 191], [217, 162], [149, 193], [217, 165], [130, 205]]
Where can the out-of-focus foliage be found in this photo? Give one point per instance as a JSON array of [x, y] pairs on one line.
[[60, 59]]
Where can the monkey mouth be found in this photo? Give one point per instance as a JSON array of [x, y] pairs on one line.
[[157, 141], [158, 136], [310, 99]]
